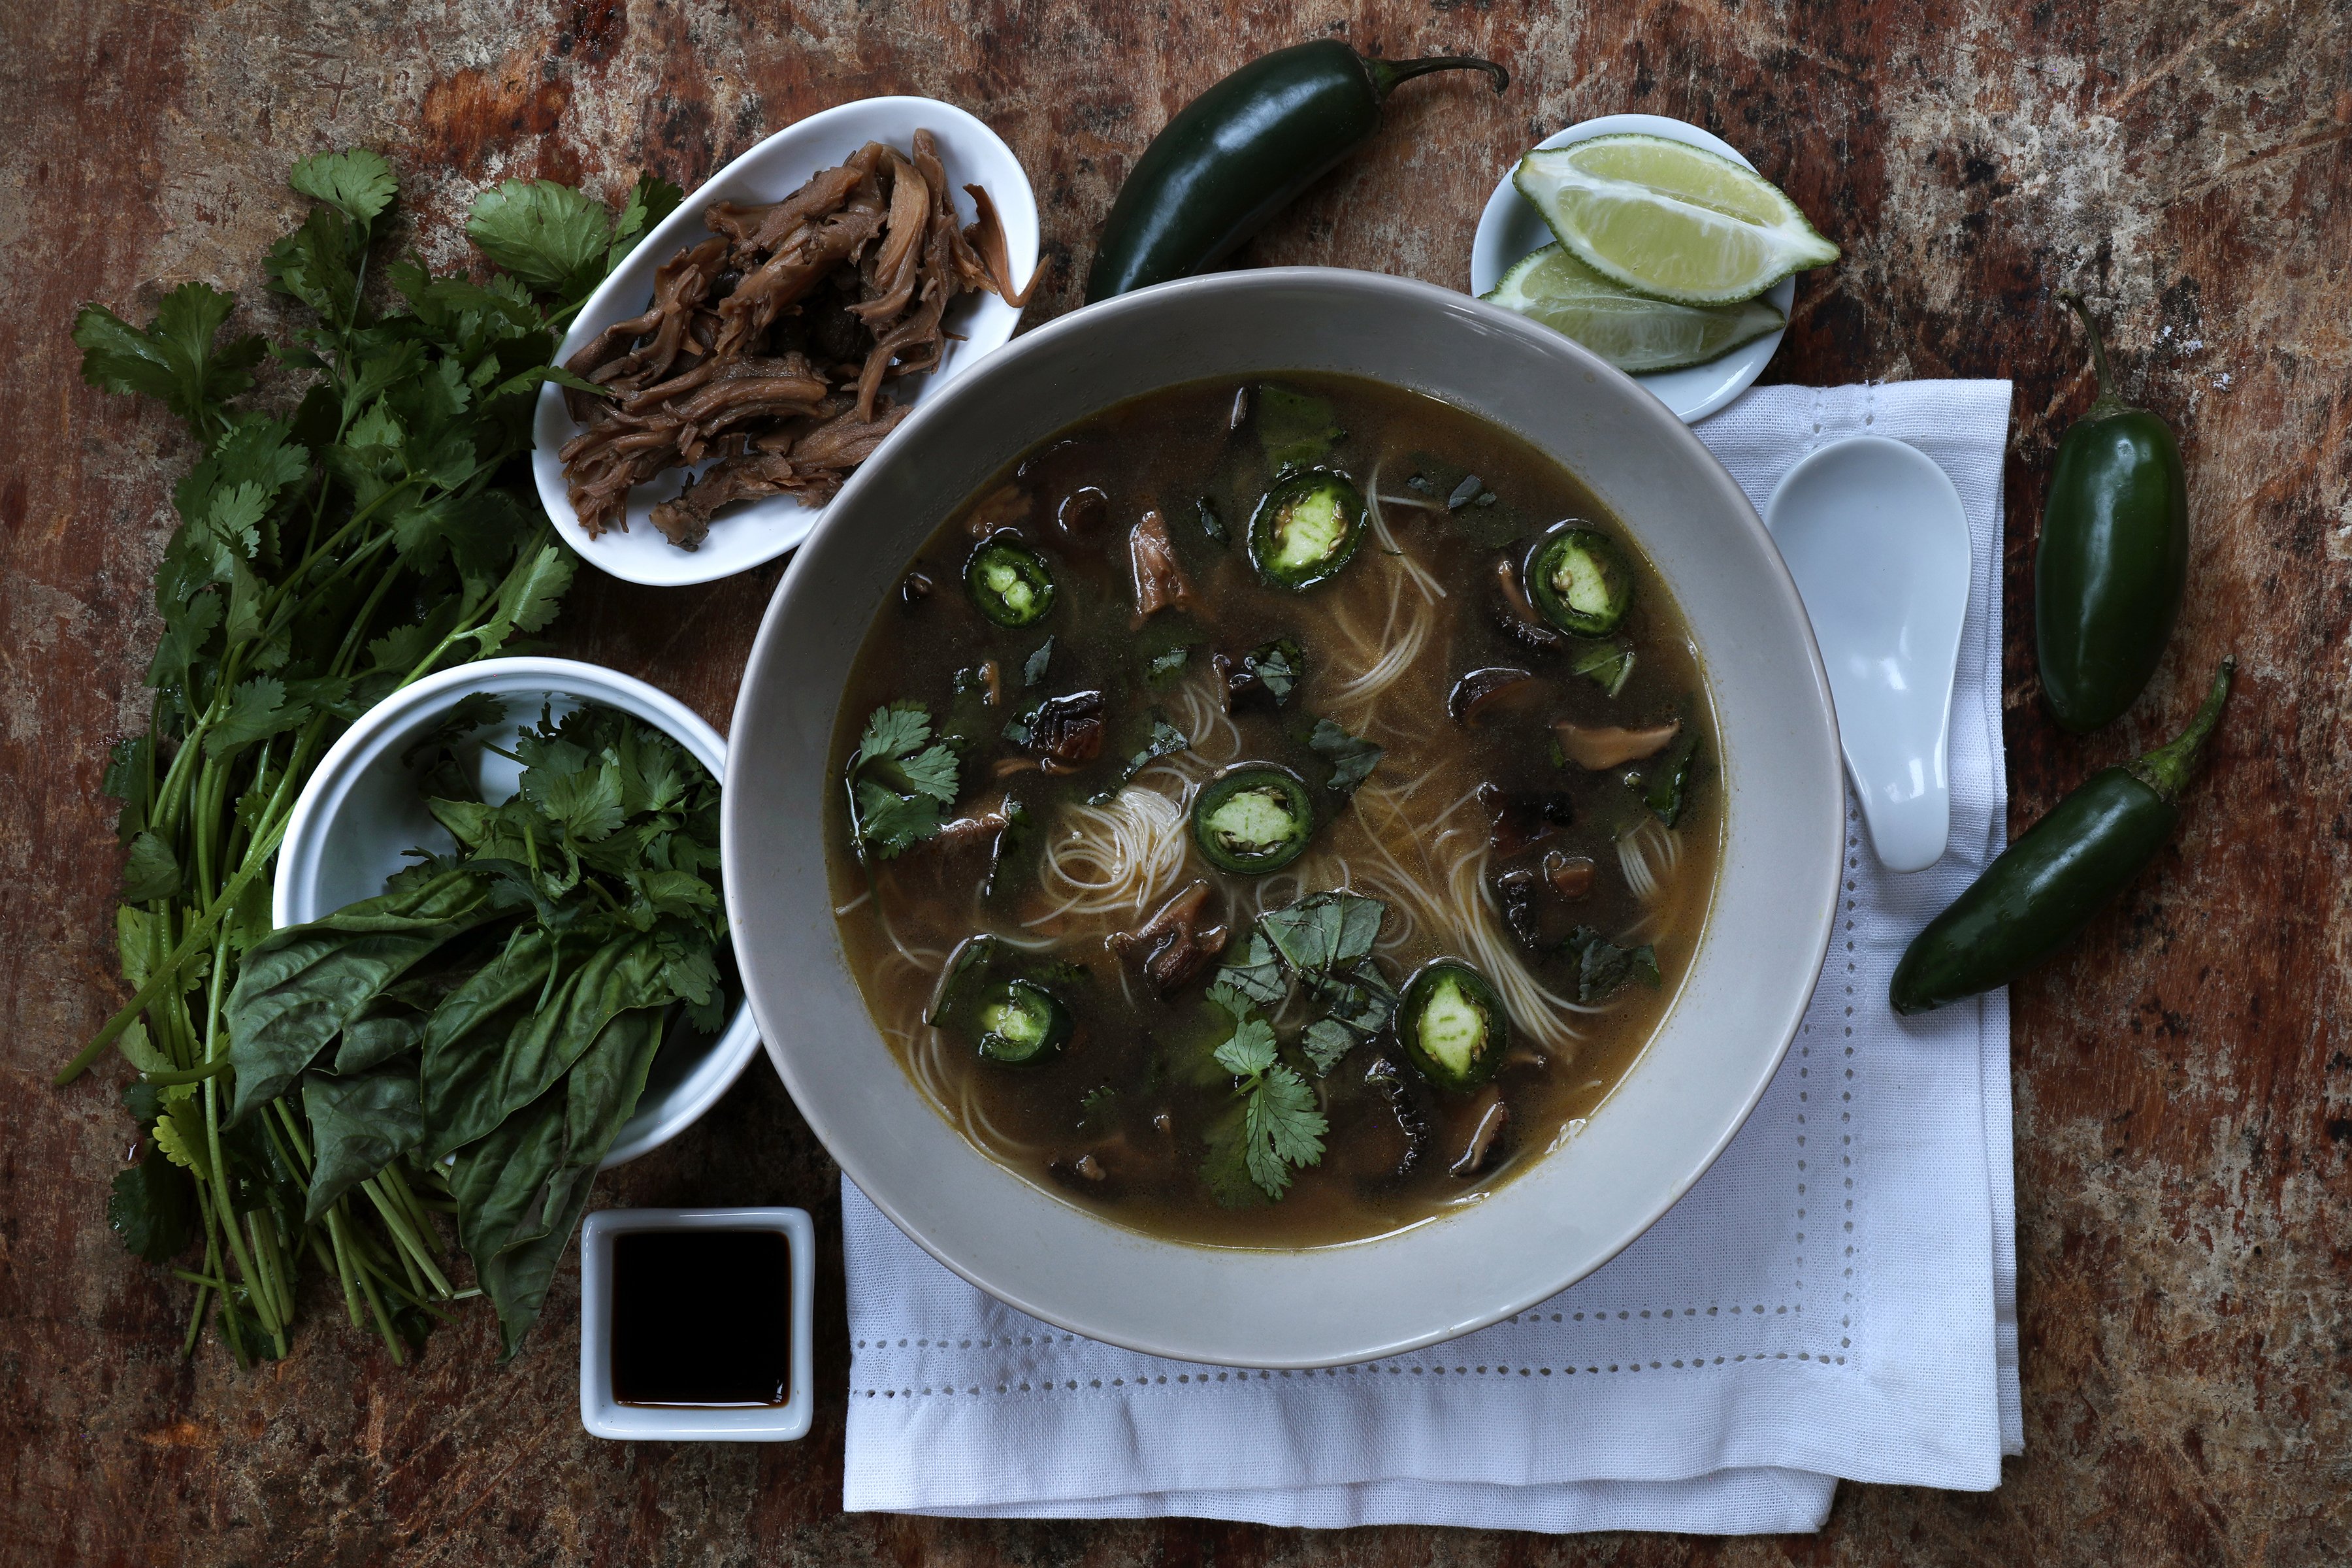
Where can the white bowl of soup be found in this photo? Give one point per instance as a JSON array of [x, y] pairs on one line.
[[1289, 818]]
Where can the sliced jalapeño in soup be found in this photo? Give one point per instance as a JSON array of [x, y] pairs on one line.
[[1022, 1022], [1306, 529], [1208, 914], [1009, 582], [1253, 819], [1452, 1025], [1580, 580]]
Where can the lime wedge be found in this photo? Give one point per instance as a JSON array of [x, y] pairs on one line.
[[1631, 331], [1669, 219]]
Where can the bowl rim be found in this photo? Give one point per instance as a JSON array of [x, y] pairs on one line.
[[990, 324], [762, 667], [359, 748]]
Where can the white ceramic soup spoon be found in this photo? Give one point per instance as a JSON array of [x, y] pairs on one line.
[[1873, 534]]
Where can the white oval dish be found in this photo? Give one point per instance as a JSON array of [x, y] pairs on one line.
[[361, 811], [1509, 229], [1568, 1212], [746, 535]]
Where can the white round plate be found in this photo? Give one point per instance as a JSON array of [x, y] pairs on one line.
[[1509, 229], [752, 534], [361, 811]]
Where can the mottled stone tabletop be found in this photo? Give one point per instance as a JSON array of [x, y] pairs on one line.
[[2184, 1081]]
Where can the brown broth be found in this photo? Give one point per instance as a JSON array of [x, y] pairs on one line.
[[1139, 1088]]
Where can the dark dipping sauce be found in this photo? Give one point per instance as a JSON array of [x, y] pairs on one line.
[[702, 1317]]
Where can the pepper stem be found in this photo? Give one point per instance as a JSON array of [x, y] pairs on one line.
[[2166, 769], [1386, 74], [2098, 350]]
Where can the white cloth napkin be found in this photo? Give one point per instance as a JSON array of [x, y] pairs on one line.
[[1837, 1296]]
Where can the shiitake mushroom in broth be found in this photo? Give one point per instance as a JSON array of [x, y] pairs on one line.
[[1285, 880]]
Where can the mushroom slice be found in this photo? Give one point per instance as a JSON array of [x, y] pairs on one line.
[[1160, 581], [1068, 729], [1570, 876], [1174, 943], [1486, 1149], [1521, 820], [1606, 746], [1082, 513], [1521, 896], [1477, 692], [1516, 613], [1386, 1079]]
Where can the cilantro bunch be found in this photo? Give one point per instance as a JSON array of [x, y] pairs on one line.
[[495, 1012], [381, 528]]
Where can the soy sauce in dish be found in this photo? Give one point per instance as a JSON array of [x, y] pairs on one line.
[[702, 1317]]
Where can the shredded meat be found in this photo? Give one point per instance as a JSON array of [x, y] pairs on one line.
[[1175, 945], [856, 267], [809, 460], [1160, 581]]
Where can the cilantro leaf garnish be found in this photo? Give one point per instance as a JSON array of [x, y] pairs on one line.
[[1352, 759], [1033, 669], [1280, 1126], [899, 779]]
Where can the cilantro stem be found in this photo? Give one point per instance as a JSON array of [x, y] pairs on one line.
[[188, 1074]]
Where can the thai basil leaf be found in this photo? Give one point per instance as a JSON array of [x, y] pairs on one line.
[[475, 1077], [298, 988], [1322, 934], [1252, 973], [1296, 428], [1352, 759], [1602, 967], [521, 1191], [358, 1126]]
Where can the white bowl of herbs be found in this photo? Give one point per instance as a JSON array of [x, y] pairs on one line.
[[501, 951]]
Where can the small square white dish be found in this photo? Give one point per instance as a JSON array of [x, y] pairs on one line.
[[605, 1417], [755, 532], [1511, 227]]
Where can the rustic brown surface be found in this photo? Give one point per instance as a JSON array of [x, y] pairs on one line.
[[2184, 1083]]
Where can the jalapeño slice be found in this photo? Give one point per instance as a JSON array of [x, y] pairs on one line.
[[1252, 818], [1453, 1024], [1580, 580], [1009, 582], [1021, 1021], [1306, 529]]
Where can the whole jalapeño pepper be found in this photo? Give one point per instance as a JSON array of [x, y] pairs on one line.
[[2114, 558], [1236, 155], [2044, 889]]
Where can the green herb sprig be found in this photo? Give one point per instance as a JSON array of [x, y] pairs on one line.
[[494, 1012], [381, 529]]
